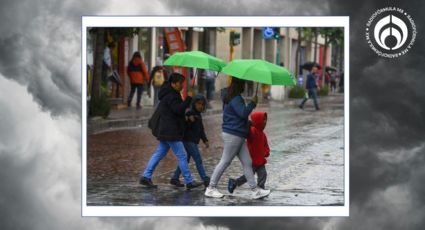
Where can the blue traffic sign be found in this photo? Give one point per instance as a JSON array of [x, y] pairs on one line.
[[268, 32]]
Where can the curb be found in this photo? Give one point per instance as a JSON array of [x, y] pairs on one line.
[[105, 125]]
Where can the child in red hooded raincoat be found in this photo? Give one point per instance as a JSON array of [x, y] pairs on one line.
[[258, 149]]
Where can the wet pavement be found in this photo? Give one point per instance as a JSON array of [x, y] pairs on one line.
[[305, 167]]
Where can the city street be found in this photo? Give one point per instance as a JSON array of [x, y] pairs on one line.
[[305, 167]]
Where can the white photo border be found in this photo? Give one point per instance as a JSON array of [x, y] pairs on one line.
[[215, 21]]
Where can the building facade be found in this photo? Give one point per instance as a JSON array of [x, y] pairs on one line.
[[153, 46]]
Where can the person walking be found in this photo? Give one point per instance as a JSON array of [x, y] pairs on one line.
[[312, 88], [333, 82], [341, 82], [138, 74], [156, 79], [193, 134], [210, 83], [171, 129], [258, 150], [107, 66], [235, 130]]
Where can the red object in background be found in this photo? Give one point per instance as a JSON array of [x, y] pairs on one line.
[[176, 44], [322, 56], [322, 63]]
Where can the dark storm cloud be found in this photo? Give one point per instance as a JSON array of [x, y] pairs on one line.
[[38, 164], [387, 127], [39, 47], [249, 7]]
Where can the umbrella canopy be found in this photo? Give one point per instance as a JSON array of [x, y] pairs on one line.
[[330, 68], [195, 59], [309, 65], [259, 71]]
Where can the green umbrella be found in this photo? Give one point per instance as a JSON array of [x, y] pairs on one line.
[[195, 59], [259, 71]]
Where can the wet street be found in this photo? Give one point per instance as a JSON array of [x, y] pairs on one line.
[[305, 167]]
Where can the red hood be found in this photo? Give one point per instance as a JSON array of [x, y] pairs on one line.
[[257, 119]]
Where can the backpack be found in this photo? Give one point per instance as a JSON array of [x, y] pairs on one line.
[[153, 122], [158, 78]]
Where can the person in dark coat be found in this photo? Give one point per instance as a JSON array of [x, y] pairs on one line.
[[312, 88], [193, 134], [171, 129]]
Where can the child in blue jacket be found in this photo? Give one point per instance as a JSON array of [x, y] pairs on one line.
[[193, 134]]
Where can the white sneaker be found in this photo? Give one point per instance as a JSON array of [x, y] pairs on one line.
[[258, 193], [213, 192]]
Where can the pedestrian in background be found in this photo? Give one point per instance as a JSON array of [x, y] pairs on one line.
[[258, 150], [156, 80], [333, 82], [193, 134], [171, 129], [210, 84], [235, 130], [107, 67], [138, 74], [341, 82], [312, 88]]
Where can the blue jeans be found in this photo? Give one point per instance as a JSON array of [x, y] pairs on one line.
[[192, 151], [161, 152], [313, 94]]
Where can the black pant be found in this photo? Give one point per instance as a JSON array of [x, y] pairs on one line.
[[139, 88], [261, 176], [333, 86]]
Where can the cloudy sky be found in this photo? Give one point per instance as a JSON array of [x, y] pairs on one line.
[[40, 104]]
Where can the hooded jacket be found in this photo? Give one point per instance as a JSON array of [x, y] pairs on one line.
[[172, 110], [137, 71], [195, 130], [257, 140]]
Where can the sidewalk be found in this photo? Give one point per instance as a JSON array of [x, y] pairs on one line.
[[129, 118]]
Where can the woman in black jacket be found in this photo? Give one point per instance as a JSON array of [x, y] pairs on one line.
[[171, 129]]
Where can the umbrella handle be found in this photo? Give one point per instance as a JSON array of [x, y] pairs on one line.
[[194, 78], [256, 90]]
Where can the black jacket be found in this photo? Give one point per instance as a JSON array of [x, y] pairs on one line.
[[195, 130], [172, 110]]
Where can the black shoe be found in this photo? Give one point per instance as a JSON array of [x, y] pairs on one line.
[[147, 182], [138, 107], [231, 185], [317, 108], [176, 182], [300, 107], [206, 181], [194, 184], [129, 103]]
